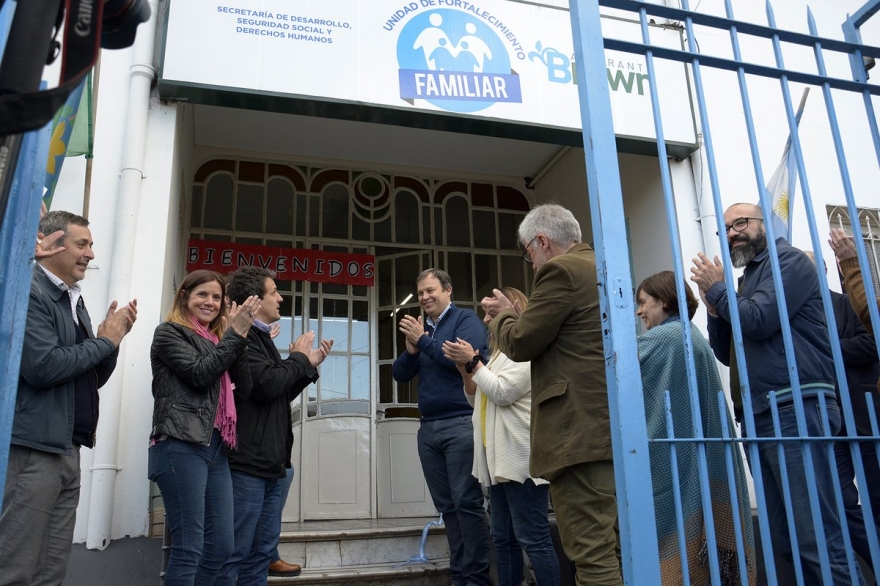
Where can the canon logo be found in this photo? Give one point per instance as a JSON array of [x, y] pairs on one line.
[[83, 26]]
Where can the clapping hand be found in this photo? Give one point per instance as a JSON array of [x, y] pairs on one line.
[[706, 273], [303, 345], [459, 351], [412, 329], [843, 245], [497, 303], [317, 355], [117, 323], [241, 317]]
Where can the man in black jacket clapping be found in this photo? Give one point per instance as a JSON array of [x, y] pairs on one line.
[[859, 351], [265, 438]]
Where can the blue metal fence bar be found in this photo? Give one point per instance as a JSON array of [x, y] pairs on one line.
[[783, 472], [678, 270], [757, 475], [733, 483], [782, 308], [853, 35], [858, 73], [744, 28], [814, 234], [844, 395], [840, 369], [756, 440], [632, 469], [751, 68], [676, 492], [724, 24], [850, 29], [844, 172], [862, 15], [835, 481], [17, 239]]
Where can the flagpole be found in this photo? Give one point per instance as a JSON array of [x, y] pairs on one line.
[[803, 99], [783, 182], [87, 183], [793, 177]]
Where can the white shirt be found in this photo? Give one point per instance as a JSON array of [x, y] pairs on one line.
[[74, 292]]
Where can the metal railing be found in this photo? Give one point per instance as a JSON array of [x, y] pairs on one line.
[[640, 560]]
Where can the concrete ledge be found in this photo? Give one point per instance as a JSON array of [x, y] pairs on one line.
[[135, 561], [311, 535], [435, 572]]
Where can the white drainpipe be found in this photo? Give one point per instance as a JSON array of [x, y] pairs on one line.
[[105, 465], [705, 203]]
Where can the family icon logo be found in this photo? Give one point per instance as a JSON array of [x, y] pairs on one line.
[[455, 62]]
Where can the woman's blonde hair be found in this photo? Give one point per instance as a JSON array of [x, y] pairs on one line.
[[179, 314], [515, 296]]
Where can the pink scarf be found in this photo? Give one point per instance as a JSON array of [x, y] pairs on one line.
[[225, 419]]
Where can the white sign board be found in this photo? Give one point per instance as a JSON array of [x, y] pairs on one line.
[[498, 60]]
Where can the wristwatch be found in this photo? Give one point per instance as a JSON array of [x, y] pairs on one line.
[[470, 366]]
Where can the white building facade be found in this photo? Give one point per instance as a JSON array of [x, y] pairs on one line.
[[368, 132]]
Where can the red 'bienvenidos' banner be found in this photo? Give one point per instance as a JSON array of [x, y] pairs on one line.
[[289, 264]]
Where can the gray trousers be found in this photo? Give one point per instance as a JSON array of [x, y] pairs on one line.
[[39, 512]]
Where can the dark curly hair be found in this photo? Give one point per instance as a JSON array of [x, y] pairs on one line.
[[247, 281]]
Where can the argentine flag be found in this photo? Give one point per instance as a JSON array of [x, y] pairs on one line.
[[782, 184]]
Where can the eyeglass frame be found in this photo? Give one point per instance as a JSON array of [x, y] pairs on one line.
[[747, 219], [525, 255]]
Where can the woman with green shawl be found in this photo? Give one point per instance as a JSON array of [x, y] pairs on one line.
[[662, 357]]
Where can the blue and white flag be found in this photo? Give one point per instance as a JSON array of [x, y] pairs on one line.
[[783, 182], [62, 131]]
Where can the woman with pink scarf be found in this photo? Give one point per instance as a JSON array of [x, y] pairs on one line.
[[200, 370]]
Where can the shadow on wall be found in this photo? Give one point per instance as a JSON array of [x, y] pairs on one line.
[[135, 561]]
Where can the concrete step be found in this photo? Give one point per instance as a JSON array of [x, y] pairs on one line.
[[365, 551], [432, 573]]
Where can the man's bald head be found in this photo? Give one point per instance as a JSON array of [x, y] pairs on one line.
[[744, 210]]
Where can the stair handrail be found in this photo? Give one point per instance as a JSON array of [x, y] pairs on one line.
[[421, 558]]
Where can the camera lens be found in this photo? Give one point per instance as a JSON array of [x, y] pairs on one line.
[[120, 22]]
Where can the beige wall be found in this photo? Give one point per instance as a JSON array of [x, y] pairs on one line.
[[566, 184]]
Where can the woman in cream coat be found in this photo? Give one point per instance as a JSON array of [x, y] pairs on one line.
[[500, 391]]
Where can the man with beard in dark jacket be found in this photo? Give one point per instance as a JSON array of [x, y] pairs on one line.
[[265, 438], [768, 376]]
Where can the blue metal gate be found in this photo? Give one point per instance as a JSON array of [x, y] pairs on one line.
[[641, 562]]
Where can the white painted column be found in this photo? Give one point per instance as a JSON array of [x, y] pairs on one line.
[[105, 464]]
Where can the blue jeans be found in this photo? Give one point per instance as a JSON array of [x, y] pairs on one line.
[[446, 450], [854, 516], [257, 527], [285, 490], [768, 456], [517, 521], [197, 490]]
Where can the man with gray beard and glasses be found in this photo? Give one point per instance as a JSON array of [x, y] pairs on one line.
[[769, 375]]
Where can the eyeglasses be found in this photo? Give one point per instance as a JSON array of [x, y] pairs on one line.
[[525, 255], [739, 225]]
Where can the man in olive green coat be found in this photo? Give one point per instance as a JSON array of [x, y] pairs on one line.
[[560, 332]]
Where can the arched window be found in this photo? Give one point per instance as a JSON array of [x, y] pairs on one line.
[[409, 223]]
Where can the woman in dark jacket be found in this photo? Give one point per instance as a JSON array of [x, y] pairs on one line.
[[200, 370]]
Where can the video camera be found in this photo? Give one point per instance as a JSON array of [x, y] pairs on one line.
[[32, 43]]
